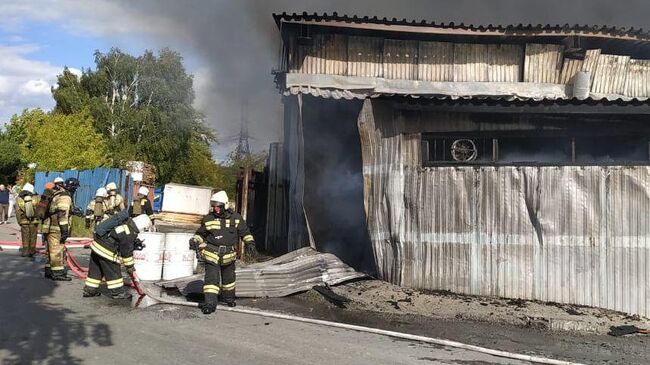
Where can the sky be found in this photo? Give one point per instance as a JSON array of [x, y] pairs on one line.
[[230, 46]]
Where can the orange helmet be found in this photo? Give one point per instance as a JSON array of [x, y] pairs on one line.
[[49, 185]]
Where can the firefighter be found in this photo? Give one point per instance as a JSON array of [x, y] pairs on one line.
[[141, 204], [113, 245], [216, 240], [97, 209], [26, 215], [56, 228], [115, 202]]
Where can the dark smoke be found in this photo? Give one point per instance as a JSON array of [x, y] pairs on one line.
[[240, 42]]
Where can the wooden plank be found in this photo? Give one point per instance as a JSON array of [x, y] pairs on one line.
[[470, 62], [543, 63], [400, 59], [504, 62], [436, 61], [365, 56]]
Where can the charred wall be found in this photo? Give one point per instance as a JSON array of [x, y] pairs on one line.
[[333, 180]]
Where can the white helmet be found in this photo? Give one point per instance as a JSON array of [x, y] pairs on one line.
[[220, 197], [111, 186], [59, 180], [142, 222], [101, 193], [29, 187], [143, 191]]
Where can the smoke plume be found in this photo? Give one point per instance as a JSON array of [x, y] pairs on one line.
[[239, 42]]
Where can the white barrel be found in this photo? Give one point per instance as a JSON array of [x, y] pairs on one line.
[[149, 261], [179, 260]]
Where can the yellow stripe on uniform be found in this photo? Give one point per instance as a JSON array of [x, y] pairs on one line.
[[103, 252], [229, 258], [198, 238], [92, 282], [117, 283], [230, 286], [57, 268], [209, 256], [123, 229], [213, 225], [248, 238], [128, 261], [212, 289]]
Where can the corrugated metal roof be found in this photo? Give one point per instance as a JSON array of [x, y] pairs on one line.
[[473, 100], [467, 29]]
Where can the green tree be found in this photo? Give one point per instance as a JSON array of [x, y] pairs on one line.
[[57, 141], [143, 107]]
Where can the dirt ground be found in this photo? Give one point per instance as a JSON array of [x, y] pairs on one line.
[[383, 297], [557, 331]]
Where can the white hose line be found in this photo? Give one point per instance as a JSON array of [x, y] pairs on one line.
[[406, 336]]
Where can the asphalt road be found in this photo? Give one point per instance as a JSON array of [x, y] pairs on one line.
[[42, 322]]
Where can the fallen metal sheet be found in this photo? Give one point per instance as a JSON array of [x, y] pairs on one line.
[[292, 273]]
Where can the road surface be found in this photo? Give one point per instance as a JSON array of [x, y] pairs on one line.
[[49, 323]]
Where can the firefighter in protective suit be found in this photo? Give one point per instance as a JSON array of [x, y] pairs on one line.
[[26, 215], [113, 245], [216, 240], [97, 210], [141, 204], [114, 202], [56, 229]]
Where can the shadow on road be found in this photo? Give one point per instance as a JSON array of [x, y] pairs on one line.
[[35, 327]]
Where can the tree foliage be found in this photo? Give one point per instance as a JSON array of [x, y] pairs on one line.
[[56, 141], [125, 108], [142, 106]]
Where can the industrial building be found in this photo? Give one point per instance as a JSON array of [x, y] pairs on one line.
[[508, 161]]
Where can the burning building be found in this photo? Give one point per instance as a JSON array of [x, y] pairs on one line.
[[509, 161]]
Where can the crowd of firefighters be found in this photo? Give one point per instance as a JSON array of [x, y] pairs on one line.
[[115, 226]]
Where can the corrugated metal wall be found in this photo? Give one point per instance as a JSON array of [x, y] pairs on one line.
[[568, 234], [90, 181]]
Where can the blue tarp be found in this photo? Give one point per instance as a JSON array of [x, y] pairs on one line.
[[90, 181]]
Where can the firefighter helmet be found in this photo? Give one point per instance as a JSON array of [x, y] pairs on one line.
[[111, 186], [101, 193], [143, 191], [28, 188], [219, 198]]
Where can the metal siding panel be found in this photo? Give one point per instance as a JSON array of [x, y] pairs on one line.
[[504, 62], [400, 59], [570, 234], [470, 62], [436, 61], [365, 56], [543, 63]]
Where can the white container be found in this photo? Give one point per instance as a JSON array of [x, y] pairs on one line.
[[179, 260], [186, 199], [149, 261]]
